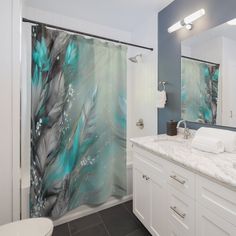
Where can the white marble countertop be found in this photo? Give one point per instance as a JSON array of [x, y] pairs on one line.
[[220, 167]]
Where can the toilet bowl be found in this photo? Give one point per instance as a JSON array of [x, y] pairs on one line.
[[28, 227]]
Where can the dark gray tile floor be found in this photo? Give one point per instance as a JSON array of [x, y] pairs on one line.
[[115, 221]]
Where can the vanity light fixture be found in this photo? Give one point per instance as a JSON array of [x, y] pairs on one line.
[[232, 22], [187, 21]]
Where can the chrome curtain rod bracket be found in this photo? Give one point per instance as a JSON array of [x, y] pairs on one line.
[[86, 34]]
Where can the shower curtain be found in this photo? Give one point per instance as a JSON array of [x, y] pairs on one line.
[[78, 122]]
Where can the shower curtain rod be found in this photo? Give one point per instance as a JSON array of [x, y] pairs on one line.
[[86, 34]]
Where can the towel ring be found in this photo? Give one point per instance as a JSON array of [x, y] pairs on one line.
[[163, 83]]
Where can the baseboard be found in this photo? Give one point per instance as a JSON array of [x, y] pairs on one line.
[[85, 210]]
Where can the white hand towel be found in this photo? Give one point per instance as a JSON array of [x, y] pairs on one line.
[[208, 144], [227, 137], [161, 99]]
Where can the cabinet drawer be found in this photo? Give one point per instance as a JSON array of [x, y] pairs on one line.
[[156, 171], [210, 224], [181, 211], [217, 198], [153, 158], [140, 163], [175, 230], [181, 179]]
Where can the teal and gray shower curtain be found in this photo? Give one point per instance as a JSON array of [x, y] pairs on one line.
[[78, 122]]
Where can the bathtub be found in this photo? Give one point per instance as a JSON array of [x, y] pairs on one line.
[[82, 210]]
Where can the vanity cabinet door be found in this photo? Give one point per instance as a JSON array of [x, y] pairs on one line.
[[158, 196], [150, 195], [181, 212], [141, 196], [208, 223], [175, 230]]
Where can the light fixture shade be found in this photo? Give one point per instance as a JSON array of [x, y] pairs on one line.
[[187, 21], [175, 27], [191, 18], [232, 22]]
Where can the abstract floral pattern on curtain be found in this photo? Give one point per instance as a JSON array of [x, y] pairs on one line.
[[78, 122]]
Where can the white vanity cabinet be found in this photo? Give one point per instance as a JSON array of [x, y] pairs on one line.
[[208, 224], [141, 197], [149, 194], [216, 209], [173, 201]]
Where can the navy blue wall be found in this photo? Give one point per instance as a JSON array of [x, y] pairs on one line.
[[169, 47]]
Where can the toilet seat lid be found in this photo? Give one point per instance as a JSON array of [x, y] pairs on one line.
[[28, 227]]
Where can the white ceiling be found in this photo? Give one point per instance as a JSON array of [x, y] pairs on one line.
[[119, 14]]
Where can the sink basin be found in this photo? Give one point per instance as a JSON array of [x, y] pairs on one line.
[[173, 143], [170, 141]]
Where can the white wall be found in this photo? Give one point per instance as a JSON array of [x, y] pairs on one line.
[[6, 112], [72, 23], [208, 51], [185, 50], [144, 78], [10, 109], [229, 82], [10, 22], [16, 105]]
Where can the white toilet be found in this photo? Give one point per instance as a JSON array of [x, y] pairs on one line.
[[28, 227]]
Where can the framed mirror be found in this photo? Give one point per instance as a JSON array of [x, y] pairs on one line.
[[208, 76]]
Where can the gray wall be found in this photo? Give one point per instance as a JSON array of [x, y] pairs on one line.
[[169, 47]]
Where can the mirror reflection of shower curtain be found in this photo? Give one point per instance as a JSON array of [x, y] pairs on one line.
[[78, 122]]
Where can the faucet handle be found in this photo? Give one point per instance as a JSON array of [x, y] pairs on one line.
[[187, 133]]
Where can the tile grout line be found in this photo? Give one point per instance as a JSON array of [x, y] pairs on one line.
[[132, 214], [126, 208], [68, 226], [85, 228], [108, 233], [132, 232], [104, 225]]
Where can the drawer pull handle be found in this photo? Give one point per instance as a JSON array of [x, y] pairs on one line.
[[174, 177], [182, 215]]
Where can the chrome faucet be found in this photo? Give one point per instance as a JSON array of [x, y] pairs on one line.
[[186, 130]]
